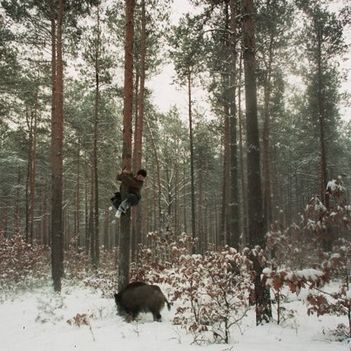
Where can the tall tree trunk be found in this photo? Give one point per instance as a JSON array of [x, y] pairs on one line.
[[256, 222], [16, 203], [134, 209], [200, 216], [33, 169], [106, 234], [234, 213], [45, 224], [139, 123], [193, 217], [91, 221], [255, 209], [266, 140], [328, 232], [77, 200], [245, 240], [124, 242], [176, 197], [87, 206], [185, 204], [29, 121], [223, 232], [96, 241], [168, 214], [157, 197], [321, 119], [57, 148], [225, 215]]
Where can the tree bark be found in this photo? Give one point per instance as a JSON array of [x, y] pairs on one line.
[[223, 232], [242, 165], [327, 235], [33, 169], [29, 175], [77, 199], [257, 229], [57, 235], [139, 123], [32, 122], [234, 217], [124, 242], [96, 242], [16, 203], [266, 140], [192, 176], [321, 119], [255, 210], [157, 197]]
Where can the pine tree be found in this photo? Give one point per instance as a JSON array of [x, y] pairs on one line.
[[124, 243], [325, 43], [257, 228], [187, 55]]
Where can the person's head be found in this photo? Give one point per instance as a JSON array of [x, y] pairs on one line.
[[141, 174]]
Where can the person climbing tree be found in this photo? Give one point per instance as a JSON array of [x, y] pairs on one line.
[[134, 185]]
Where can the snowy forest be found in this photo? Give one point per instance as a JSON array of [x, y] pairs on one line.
[[243, 225]]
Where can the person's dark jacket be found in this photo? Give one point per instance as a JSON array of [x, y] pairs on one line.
[[134, 185]]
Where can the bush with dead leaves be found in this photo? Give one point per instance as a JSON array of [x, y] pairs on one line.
[[22, 264]]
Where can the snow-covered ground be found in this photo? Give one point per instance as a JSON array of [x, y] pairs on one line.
[[37, 320]]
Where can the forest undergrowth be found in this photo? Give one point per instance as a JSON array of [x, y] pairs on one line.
[[213, 292]]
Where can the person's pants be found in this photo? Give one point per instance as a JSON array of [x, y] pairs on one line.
[[116, 200], [130, 200]]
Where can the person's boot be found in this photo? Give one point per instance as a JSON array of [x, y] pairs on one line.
[[118, 213], [122, 209]]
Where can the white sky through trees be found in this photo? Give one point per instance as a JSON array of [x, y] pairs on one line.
[[167, 93]]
